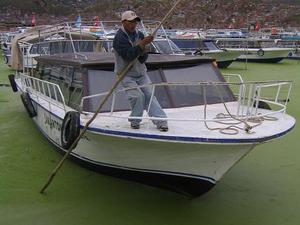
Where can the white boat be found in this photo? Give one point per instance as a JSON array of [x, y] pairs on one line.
[[294, 45], [210, 128], [255, 50]]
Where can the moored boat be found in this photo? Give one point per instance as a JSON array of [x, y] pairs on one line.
[[210, 128], [255, 50]]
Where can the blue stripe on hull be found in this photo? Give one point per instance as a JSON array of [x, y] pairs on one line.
[[189, 139]]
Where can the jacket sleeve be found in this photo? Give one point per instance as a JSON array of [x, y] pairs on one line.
[[123, 47], [143, 58]]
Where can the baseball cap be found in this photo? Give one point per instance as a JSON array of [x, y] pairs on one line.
[[130, 15]]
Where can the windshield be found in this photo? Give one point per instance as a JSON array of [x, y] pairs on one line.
[[66, 46], [210, 45], [99, 81], [195, 44], [188, 44], [166, 46]]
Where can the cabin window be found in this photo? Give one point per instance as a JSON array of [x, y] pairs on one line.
[[187, 45], [107, 45], [80, 46], [40, 48], [56, 47], [75, 90], [100, 81], [211, 45], [67, 78]]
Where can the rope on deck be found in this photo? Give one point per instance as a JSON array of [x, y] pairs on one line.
[[232, 128]]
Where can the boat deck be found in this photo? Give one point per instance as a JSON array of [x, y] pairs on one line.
[[182, 127]]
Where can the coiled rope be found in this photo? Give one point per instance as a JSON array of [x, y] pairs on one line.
[[232, 128]]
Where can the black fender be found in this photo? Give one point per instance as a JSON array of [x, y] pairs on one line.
[[5, 59], [12, 82], [28, 104], [262, 105], [70, 129], [260, 52]]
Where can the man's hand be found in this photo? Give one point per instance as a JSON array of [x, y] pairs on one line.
[[147, 40]]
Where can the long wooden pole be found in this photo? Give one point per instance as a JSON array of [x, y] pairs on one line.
[[120, 76]]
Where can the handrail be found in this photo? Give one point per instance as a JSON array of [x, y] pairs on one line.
[[249, 94], [48, 91]]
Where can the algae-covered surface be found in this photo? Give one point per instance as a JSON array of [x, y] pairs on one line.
[[262, 189]]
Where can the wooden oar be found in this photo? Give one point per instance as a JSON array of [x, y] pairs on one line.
[[120, 76]]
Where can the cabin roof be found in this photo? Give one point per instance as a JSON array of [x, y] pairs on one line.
[[106, 60]]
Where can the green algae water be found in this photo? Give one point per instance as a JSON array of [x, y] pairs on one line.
[[262, 189]]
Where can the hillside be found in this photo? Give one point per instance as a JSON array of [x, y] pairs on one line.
[[191, 13]]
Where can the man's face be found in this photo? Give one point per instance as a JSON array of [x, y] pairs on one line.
[[130, 25]]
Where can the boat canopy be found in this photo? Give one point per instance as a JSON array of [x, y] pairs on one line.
[[38, 34]]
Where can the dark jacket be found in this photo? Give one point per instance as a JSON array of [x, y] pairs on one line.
[[125, 46]]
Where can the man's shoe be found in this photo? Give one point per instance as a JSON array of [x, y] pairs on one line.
[[135, 126], [163, 128]]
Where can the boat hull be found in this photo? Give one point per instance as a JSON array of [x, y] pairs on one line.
[[261, 60], [187, 168], [265, 55], [223, 57]]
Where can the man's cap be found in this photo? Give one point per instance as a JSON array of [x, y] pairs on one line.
[[130, 16]]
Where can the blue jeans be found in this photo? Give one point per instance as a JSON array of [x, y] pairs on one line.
[[139, 99]]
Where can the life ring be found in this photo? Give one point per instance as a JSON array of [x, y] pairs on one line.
[[70, 129], [28, 104], [12, 82], [260, 52]]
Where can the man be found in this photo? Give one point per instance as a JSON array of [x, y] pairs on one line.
[[128, 44]]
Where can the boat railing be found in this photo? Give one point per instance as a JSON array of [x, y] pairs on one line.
[[73, 32], [101, 28], [250, 95], [47, 91], [29, 63]]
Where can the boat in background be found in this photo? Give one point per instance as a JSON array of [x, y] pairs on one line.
[[255, 50]]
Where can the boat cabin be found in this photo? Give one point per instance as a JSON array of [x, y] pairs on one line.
[[93, 73]]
